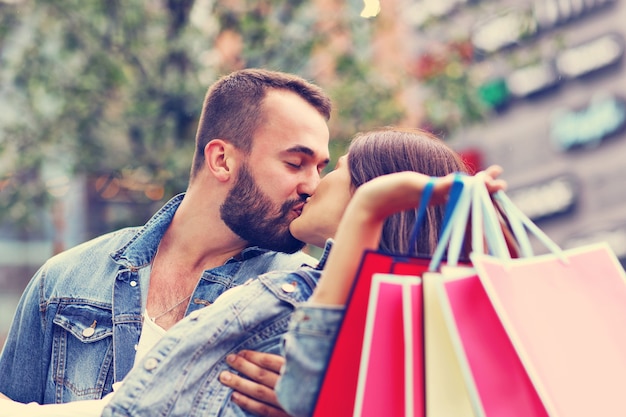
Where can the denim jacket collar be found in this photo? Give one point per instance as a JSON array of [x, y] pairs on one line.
[[141, 249], [327, 247]]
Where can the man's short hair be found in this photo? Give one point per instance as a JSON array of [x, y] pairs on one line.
[[233, 107]]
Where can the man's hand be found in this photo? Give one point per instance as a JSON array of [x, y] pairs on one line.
[[255, 395]]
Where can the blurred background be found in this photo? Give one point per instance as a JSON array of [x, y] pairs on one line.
[[99, 102]]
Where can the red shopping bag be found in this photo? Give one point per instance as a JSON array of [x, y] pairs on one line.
[[338, 393], [565, 314]]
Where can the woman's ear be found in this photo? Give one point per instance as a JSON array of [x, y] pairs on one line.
[[220, 160]]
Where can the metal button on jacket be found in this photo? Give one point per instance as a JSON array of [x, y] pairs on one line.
[[150, 364], [91, 330], [88, 332]]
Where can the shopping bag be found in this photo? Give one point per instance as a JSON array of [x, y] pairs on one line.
[[471, 366], [446, 387], [487, 365], [391, 367], [445, 384], [565, 314], [338, 393]]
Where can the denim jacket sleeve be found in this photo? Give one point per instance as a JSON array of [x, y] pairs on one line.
[[307, 348], [179, 376], [19, 373], [48, 357]]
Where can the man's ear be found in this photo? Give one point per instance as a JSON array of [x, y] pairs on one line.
[[220, 159]]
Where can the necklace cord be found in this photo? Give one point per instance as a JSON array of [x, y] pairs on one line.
[[154, 318]]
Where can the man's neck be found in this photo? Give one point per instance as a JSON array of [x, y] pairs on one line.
[[197, 237], [196, 240]]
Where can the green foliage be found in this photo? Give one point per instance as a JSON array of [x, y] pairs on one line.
[[453, 98], [113, 89], [278, 34], [363, 100], [95, 87]]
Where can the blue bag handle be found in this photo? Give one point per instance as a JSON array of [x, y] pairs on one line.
[[456, 214], [427, 194]]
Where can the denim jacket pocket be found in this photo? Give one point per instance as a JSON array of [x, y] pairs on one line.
[[83, 333], [87, 323]]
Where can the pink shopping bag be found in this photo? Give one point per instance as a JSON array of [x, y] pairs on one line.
[[391, 370], [497, 382], [565, 315]]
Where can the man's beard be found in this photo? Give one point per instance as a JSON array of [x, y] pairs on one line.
[[249, 213]]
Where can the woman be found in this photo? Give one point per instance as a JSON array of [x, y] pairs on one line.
[[179, 376]]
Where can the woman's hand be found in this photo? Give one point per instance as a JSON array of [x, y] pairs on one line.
[[389, 194], [256, 394]]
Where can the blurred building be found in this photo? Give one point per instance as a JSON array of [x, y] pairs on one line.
[[552, 73]]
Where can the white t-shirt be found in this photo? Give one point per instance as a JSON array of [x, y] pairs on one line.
[[151, 333]]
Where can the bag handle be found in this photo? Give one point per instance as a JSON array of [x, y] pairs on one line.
[[455, 215], [427, 194], [485, 225], [516, 215], [469, 194], [492, 230], [518, 223], [515, 232]]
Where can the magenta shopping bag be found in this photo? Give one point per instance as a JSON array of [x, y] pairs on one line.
[[496, 379], [390, 380], [376, 367], [338, 393]]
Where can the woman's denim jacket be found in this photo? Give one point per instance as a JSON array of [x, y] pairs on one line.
[[179, 376], [307, 348], [78, 322]]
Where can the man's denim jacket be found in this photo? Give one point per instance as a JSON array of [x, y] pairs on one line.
[[179, 376], [78, 322]]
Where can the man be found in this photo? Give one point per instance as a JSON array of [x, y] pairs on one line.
[[261, 144]]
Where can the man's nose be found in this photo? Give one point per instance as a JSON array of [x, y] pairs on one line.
[[309, 184]]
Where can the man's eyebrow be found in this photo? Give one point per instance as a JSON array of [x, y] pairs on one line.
[[305, 150]]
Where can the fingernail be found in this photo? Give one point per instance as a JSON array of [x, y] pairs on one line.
[[230, 358], [225, 376]]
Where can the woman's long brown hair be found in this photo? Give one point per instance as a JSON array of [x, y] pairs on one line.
[[387, 150]]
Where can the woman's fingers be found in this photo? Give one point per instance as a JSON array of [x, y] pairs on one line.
[[494, 171], [490, 175], [493, 183]]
